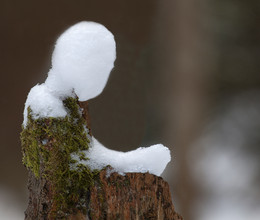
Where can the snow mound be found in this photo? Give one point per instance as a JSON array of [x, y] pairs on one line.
[[151, 159], [43, 104]]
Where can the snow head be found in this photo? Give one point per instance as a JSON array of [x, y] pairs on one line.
[[83, 58]]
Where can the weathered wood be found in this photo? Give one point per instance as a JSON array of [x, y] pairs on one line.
[[132, 196], [85, 114], [40, 198]]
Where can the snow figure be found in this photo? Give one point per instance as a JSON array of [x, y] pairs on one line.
[[82, 60]]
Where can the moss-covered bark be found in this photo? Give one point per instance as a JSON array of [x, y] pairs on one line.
[[49, 147]]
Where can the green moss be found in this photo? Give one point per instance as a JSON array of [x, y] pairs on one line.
[[47, 146]]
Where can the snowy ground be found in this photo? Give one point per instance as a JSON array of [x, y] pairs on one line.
[[228, 168], [10, 208]]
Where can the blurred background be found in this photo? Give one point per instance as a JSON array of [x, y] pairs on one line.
[[186, 75]]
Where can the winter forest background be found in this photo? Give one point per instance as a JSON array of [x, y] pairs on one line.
[[186, 75]]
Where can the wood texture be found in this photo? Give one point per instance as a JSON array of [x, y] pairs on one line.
[[132, 196]]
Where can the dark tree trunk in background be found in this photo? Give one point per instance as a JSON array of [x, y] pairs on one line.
[[112, 196], [185, 67]]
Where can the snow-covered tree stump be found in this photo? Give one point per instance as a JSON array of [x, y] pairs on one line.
[[56, 192], [69, 172]]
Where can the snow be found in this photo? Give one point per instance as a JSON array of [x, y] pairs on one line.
[[227, 166], [43, 104], [10, 207], [151, 159], [57, 86], [83, 58]]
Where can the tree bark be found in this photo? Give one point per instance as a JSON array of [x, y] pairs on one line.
[[111, 196], [132, 196]]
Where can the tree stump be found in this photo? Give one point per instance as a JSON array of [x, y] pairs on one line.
[[132, 196], [58, 192]]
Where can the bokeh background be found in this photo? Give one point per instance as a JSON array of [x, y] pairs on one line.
[[186, 75]]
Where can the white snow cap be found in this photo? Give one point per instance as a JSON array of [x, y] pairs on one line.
[[151, 159], [83, 58], [43, 104]]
